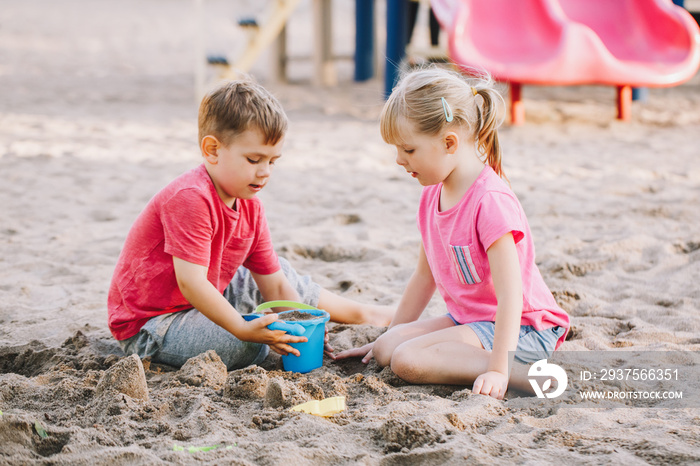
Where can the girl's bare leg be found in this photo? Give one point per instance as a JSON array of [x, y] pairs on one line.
[[347, 311], [385, 345], [452, 355]]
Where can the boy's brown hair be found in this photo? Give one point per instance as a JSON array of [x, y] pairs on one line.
[[236, 106]]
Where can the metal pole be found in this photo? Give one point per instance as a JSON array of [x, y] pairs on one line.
[[396, 30], [364, 39]]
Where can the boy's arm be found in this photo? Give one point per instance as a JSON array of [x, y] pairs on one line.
[[507, 283], [193, 283], [275, 286]]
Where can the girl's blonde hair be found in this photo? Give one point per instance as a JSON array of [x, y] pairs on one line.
[[418, 99]]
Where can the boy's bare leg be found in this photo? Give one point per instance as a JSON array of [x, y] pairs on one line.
[[347, 311]]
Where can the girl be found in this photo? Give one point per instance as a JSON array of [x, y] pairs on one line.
[[476, 249]]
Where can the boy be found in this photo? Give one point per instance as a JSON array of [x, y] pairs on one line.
[[179, 280]]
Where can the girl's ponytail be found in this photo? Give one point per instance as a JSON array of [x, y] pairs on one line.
[[486, 131]]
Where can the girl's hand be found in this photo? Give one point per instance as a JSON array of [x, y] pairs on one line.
[[491, 383], [365, 352]]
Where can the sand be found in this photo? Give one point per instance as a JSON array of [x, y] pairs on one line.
[[97, 113]]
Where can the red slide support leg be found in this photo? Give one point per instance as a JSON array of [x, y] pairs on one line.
[[624, 103], [517, 106]]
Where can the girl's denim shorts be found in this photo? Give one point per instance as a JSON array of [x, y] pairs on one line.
[[533, 345]]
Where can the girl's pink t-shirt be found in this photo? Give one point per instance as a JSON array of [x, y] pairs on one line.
[[456, 241], [186, 219]]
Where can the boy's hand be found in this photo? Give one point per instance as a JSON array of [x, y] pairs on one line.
[[491, 383], [365, 352], [256, 331]]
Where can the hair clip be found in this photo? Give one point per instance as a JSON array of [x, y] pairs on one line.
[[448, 111], [474, 91]]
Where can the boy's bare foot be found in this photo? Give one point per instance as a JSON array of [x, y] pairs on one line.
[[378, 315], [347, 311]]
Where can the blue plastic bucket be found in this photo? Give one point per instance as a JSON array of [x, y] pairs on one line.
[[311, 351]]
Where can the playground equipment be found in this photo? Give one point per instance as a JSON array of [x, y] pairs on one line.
[[624, 43], [261, 36], [267, 31]]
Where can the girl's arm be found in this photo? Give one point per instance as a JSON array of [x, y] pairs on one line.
[[419, 290], [507, 283]]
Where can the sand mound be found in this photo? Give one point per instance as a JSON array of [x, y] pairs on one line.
[[91, 414], [127, 377], [205, 370]]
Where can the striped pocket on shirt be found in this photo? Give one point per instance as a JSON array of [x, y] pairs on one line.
[[466, 271]]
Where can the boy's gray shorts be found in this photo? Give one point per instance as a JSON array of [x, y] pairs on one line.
[[174, 338]]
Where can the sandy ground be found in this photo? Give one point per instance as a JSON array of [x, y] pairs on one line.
[[97, 114]]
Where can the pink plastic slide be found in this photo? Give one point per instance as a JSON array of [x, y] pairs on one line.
[[625, 43]]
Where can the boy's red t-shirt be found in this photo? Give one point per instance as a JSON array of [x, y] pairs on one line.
[[186, 219]]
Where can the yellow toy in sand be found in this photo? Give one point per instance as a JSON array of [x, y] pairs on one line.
[[324, 408]]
